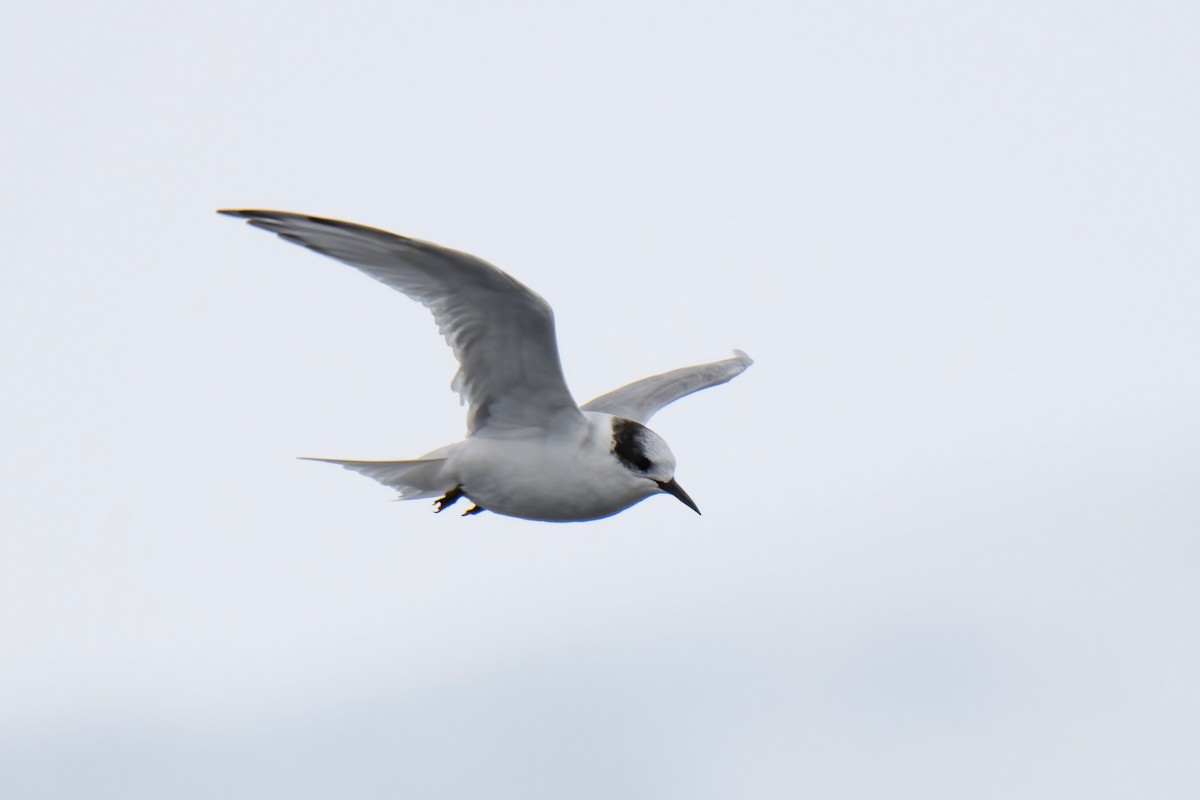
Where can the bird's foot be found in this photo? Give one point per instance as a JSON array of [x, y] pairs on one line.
[[452, 497], [473, 510]]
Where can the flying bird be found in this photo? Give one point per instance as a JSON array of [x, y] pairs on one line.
[[530, 451]]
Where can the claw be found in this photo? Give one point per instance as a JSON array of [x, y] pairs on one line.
[[473, 510], [452, 497]]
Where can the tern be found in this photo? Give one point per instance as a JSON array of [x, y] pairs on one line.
[[531, 451]]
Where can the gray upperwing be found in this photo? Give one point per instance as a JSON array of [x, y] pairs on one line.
[[641, 400], [501, 331]]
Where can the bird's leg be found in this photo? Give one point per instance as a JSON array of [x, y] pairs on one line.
[[473, 510], [452, 497]]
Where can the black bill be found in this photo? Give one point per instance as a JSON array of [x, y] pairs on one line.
[[671, 487]]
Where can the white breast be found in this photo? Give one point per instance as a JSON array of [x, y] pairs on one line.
[[556, 478]]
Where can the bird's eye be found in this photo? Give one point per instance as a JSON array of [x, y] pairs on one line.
[[629, 444]]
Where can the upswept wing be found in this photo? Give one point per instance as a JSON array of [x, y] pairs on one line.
[[641, 400], [501, 332]]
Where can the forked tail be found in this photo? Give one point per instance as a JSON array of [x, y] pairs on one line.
[[413, 479]]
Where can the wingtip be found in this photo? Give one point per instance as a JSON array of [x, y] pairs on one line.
[[252, 214], [743, 357], [271, 220]]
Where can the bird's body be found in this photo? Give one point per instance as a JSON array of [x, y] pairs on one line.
[[531, 451], [563, 477]]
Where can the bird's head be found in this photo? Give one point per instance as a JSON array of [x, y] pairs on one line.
[[645, 455]]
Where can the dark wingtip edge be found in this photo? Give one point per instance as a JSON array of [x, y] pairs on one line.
[[256, 213]]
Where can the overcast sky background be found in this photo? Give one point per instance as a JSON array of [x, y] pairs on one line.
[[950, 535]]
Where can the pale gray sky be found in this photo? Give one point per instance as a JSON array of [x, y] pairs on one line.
[[949, 545]]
